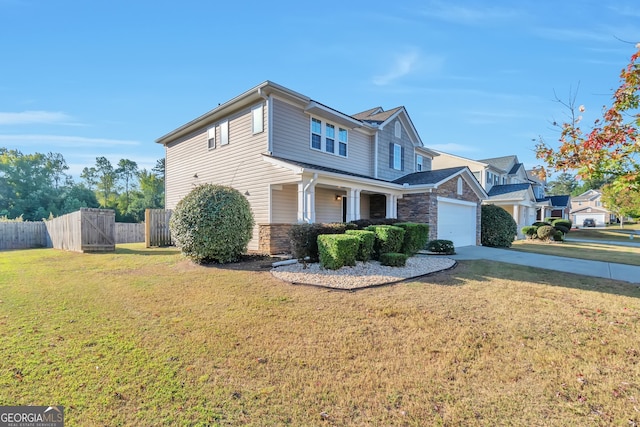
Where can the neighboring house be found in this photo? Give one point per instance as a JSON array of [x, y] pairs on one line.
[[506, 182], [300, 161], [589, 205], [548, 206]]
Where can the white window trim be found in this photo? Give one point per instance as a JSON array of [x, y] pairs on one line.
[[323, 137], [397, 157], [224, 133], [211, 138], [257, 118]]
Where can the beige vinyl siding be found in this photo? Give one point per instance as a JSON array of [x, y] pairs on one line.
[[328, 209], [386, 136], [284, 202], [444, 161], [238, 164], [292, 140]]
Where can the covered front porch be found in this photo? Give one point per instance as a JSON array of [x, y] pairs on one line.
[[317, 199]]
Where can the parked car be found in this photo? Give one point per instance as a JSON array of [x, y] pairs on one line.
[[589, 222]]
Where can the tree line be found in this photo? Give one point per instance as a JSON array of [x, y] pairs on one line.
[[37, 186]]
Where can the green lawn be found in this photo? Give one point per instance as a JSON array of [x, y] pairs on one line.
[[582, 250], [143, 337], [612, 233]]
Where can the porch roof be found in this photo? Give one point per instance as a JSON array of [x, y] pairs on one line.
[[428, 177]]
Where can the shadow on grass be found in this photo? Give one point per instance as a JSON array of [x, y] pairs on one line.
[[484, 270], [146, 252]]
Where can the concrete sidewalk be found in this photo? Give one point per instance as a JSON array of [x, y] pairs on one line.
[[607, 270]]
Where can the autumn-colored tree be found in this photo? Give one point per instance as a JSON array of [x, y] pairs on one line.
[[622, 203], [611, 148]]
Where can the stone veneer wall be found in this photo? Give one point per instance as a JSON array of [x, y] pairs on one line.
[[274, 238]]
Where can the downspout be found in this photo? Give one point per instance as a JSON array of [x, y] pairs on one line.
[[304, 194], [269, 101]]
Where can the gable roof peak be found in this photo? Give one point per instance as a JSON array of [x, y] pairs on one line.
[[367, 113]]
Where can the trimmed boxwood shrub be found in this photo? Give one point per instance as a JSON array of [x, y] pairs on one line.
[[530, 231], [304, 238], [558, 236], [498, 228], [366, 240], [393, 259], [389, 238], [362, 224], [540, 224], [441, 247], [562, 228], [212, 223], [562, 223], [337, 250], [546, 232], [415, 237]]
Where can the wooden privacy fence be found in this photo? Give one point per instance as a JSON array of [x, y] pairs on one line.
[[23, 235], [86, 230], [129, 232], [157, 231]]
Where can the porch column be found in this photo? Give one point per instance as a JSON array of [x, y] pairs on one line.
[[516, 214], [392, 211], [351, 205], [356, 201], [307, 200]]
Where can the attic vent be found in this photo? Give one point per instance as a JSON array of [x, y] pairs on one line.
[[397, 129]]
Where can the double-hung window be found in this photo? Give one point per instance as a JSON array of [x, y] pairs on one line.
[[316, 134], [329, 137], [419, 163], [396, 154], [342, 142], [211, 137]]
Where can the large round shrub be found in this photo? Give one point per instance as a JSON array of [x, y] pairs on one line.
[[546, 232], [213, 223], [498, 228]]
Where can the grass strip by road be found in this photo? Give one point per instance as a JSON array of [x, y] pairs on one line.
[[582, 250], [143, 337]]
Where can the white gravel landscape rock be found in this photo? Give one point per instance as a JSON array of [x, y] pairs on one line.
[[362, 274]]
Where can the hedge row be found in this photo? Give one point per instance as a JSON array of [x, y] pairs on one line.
[[307, 241]]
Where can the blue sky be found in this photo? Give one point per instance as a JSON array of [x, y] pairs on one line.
[[107, 78]]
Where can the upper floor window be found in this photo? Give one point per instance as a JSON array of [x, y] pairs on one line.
[[257, 119], [224, 133], [316, 134], [211, 137], [324, 136], [330, 139], [419, 163], [396, 156], [397, 129], [342, 142]]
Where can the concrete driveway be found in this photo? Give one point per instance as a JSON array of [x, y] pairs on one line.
[[607, 270]]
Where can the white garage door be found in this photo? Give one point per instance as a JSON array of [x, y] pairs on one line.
[[457, 221], [597, 217]]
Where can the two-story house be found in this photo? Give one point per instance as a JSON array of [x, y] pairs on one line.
[[298, 160], [506, 182], [557, 206], [588, 205]]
